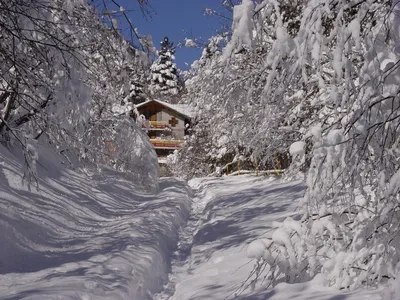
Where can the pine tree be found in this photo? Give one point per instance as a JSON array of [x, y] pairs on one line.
[[137, 85], [164, 77]]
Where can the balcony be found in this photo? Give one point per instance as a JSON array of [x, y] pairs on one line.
[[156, 125], [166, 144]]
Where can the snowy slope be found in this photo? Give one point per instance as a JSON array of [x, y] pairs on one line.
[[85, 237], [228, 214]]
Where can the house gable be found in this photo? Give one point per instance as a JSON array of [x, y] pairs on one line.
[[151, 106], [165, 124]]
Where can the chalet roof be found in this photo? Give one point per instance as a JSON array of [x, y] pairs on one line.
[[181, 109]]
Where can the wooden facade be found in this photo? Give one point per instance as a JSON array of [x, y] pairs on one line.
[[166, 125]]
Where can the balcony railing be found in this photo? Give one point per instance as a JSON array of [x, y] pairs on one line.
[[155, 125], [166, 144]]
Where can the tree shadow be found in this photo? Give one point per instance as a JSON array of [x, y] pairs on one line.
[[265, 295], [238, 210], [72, 218], [232, 219]]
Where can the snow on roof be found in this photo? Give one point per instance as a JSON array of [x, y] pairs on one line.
[[182, 109]]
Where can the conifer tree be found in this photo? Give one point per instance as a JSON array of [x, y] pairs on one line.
[[164, 77], [136, 90]]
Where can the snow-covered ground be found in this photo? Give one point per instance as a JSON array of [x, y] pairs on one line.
[[85, 237], [228, 214], [103, 237]]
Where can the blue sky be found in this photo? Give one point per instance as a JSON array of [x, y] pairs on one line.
[[176, 19]]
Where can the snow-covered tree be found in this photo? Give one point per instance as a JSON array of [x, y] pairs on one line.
[[62, 70], [227, 90], [136, 89], [342, 57], [164, 73], [319, 80]]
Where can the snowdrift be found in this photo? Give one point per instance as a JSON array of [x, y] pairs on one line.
[[85, 237]]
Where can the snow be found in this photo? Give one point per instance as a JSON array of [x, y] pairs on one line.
[[297, 148], [394, 183], [232, 224], [82, 236], [242, 28], [85, 236], [190, 43], [257, 248], [119, 109], [355, 30], [396, 25], [182, 109], [315, 132]]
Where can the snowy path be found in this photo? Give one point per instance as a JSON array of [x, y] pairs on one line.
[[228, 213], [186, 236]]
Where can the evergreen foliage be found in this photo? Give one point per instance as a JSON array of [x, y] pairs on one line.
[[164, 73]]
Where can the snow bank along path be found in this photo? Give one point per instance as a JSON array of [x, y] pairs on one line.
[[85, 237]]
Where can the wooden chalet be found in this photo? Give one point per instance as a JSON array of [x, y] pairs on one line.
[[166, 124]]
